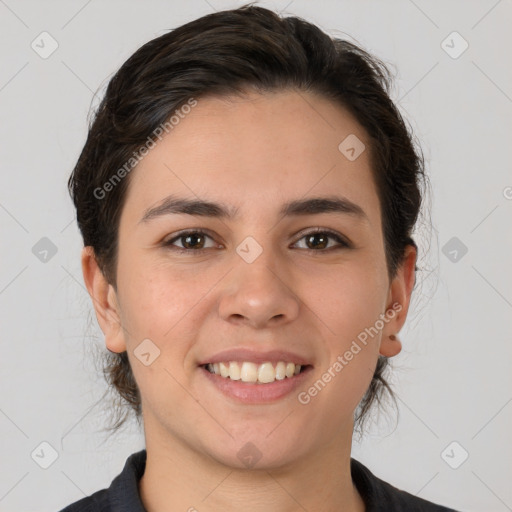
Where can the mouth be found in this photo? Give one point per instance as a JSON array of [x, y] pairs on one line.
[[255, 377], [252, 373]]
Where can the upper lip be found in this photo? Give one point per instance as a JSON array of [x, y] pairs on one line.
[[257, 357]]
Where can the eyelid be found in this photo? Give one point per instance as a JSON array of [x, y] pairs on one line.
[[175, 236], [342, 241], [327, 231]]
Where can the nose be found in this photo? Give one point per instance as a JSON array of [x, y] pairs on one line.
[[259, 293]]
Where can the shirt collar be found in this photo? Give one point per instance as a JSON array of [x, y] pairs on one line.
[[124, 491]]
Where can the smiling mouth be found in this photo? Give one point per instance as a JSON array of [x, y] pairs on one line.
[[246, 371]]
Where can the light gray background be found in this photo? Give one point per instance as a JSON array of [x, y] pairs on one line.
[[453, 377]]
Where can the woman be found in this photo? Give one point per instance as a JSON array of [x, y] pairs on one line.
[[246, 195]]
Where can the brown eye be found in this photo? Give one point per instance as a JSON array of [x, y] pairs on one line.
[[190, 240], [193, 241], [318, 240]]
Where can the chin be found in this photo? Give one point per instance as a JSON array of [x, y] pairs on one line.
[[257, 449]]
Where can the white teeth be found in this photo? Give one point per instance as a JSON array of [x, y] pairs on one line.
[[234, 371], [280, 370], [224, 370], [251, 372], [266, 373]]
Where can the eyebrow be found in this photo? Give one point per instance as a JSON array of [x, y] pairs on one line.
[[310, 206]]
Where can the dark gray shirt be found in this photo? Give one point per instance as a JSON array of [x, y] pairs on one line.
[[123, 493]]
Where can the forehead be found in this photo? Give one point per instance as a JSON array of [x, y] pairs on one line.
[[259, 150]]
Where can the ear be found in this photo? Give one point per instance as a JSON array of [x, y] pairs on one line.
[[399, 296], [105, 302]]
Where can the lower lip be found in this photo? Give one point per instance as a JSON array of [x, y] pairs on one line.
[[253, 393]]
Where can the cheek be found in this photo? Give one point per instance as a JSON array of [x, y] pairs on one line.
[[161, 304], [334, 396], [158, 299], [348, 303], [346, 299]]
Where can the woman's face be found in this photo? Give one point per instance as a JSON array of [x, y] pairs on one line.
[[256, 284]]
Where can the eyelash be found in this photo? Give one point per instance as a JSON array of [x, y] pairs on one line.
[[332, 234]]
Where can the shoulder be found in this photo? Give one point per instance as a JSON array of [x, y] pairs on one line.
[[123, 493], [380, 496], [97, 502]]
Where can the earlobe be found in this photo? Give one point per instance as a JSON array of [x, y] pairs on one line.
[[399, 294], [104, 300], [391, 346]]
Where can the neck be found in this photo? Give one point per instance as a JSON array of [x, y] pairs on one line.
[[177, 477]]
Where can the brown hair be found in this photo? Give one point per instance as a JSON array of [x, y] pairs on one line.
[[222, 54]]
